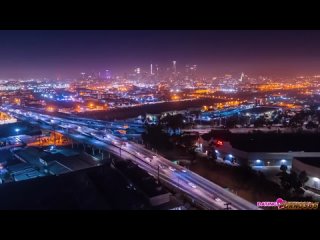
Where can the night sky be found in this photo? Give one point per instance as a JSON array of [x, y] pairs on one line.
[[25, 54]]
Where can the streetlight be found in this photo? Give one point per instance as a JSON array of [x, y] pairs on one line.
[[17, 130], [120, 148], [316, 182], [316, 179]]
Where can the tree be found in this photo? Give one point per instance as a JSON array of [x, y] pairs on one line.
[[284, 168], [284, 178], [154, 136], [303, 178], [213, 154], [260, 122], [292, 183], [231, 121], [174, 122], [311, 125]]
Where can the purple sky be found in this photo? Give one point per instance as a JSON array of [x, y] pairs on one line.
[[66, 53]]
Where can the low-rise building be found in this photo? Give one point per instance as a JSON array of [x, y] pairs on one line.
[[269, 149], [153, 191], [311, 165]]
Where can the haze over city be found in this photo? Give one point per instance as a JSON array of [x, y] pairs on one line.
[[160, 120], [64, 54]]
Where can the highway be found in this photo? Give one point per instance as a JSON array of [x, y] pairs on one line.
[[206, 193]]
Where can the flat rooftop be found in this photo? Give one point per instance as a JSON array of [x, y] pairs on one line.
[[313, 161], [95, 188], [140, 178], [259, 110], [276, 142]]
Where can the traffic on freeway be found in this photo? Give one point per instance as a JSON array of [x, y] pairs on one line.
[[199, 189]]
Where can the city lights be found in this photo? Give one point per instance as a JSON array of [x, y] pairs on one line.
[[159, 121], [315, 179]]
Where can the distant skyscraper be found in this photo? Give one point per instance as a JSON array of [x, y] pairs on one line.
[[83, 76], [137, 70], [174, 67], [151, 70], [157, 70], [190, 71], [108, 74], [241, 77]]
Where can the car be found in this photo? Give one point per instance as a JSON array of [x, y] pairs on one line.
[[192, 185], [162, 166], [184, 170], [217, 199], [148, 159], [172, 169]]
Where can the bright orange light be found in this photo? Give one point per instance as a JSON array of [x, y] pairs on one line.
[[17, 100], [202, 91], [175, 97], [50, 109], [205, 108]]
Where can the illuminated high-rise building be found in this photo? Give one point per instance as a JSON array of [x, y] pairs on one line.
[[174, 66], [190, 72], [83, 76], [137, 70], [108, 74], [157, 70], [241, 77]]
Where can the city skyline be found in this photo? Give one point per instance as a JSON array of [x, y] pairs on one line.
[[159, 120], [65, 54]]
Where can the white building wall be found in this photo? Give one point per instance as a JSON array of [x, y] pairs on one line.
[[274, 158]]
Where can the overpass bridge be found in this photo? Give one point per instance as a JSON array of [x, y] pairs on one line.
[[205, 193]]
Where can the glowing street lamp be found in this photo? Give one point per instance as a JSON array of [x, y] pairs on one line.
[[315, 179]]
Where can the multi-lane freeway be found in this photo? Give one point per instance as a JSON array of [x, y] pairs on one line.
[[202, 191]]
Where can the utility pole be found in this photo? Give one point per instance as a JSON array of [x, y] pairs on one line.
[[54, 136]]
